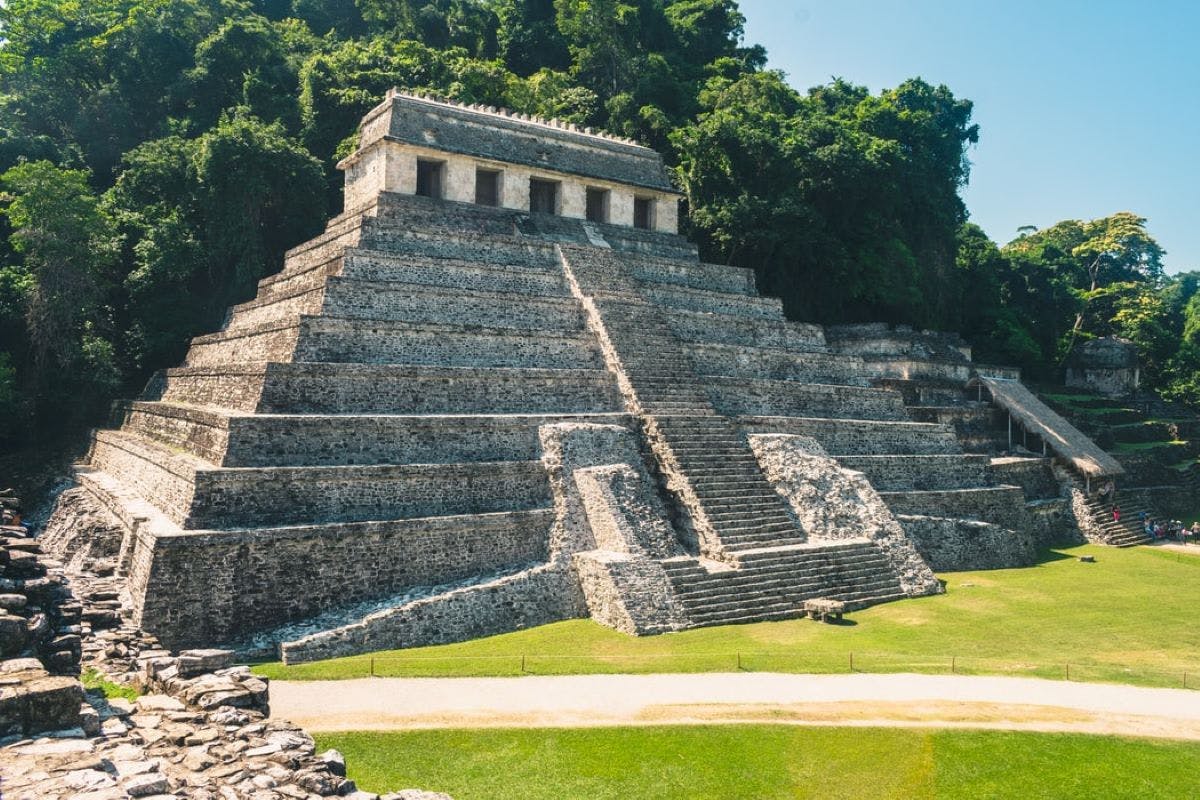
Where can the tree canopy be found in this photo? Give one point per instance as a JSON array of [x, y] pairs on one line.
[[158, 156]]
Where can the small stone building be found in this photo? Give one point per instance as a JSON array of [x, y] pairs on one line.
[[418, 146], [1108, 365]]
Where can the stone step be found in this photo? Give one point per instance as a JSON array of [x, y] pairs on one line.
[[349, 298], [704, 610], [495, 249], [739, 361], [722, 328], [194, 495], [358, 341], [264, 440], [451, 273], [861, 437], [649, 270], [683, 298], [744, 396], [330, 388], [780, 581], [274, 341], [332, 339]]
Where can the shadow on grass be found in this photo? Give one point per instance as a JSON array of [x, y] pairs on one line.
[[1050, 555]]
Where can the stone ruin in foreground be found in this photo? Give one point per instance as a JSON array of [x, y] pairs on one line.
[[501, 390]]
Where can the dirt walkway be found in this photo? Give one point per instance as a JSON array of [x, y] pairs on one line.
[[591, 700]]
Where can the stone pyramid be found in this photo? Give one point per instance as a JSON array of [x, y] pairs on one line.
[[451, 415]]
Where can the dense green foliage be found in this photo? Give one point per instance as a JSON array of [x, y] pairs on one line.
[[767, 761], [1027, 622], [158, 157]]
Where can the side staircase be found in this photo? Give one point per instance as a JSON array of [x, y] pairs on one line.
[[1129, 530]]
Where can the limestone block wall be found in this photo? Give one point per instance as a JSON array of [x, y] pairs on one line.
[[272, 341], [714, 302], [255, 579], [251, 497], [747, 397], [907, 473], [696, 275], [202, 433], [1000, 505], [1033, 475], [388, 300], [164, 479], [629, 593], [409, 389], [1053, 522], [372, 265], [1112, 382], [833, 503], [375, 342], [861, 437], [537, 596], [950, 545], [915, 369], [236, 386], [636, 519], [695, 326], [769, 364], [398, 238], [306, 440]]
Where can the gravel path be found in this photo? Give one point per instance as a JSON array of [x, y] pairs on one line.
[[860, 699]]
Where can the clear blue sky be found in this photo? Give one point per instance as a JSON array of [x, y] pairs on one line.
[[1084, 108]]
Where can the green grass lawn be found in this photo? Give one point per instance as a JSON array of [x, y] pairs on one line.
[[1133, 617], [767, 761]]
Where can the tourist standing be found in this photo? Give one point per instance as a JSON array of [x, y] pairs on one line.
[[1116, 513]]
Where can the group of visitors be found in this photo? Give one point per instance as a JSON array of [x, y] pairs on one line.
[[1161, 530]]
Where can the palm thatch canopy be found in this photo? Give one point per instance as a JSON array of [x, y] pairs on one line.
[[1064, 439]]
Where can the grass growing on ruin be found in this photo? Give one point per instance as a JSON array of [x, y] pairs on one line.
[[95, 680], [1131, 618], [766, 761]]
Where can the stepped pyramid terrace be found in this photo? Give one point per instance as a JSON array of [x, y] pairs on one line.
[[500, 390]]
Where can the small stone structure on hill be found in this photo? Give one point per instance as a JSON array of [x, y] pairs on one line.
[[1108, 365], [500, 391]]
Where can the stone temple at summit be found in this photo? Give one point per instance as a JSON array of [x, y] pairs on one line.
[[500, 390]]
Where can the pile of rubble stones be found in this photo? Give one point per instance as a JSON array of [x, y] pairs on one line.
[[40, 640], [200, 728]]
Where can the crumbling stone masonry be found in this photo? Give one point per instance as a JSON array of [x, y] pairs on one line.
[[500, 390]]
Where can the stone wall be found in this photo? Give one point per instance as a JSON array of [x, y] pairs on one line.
[[748, 397], [953, 545], [1053, 522], [1000, 505], [915, 473], [1033, 475], [379, 342], [253, 579], [544, 594], [861, 437], [741, 361], [409, 389]]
